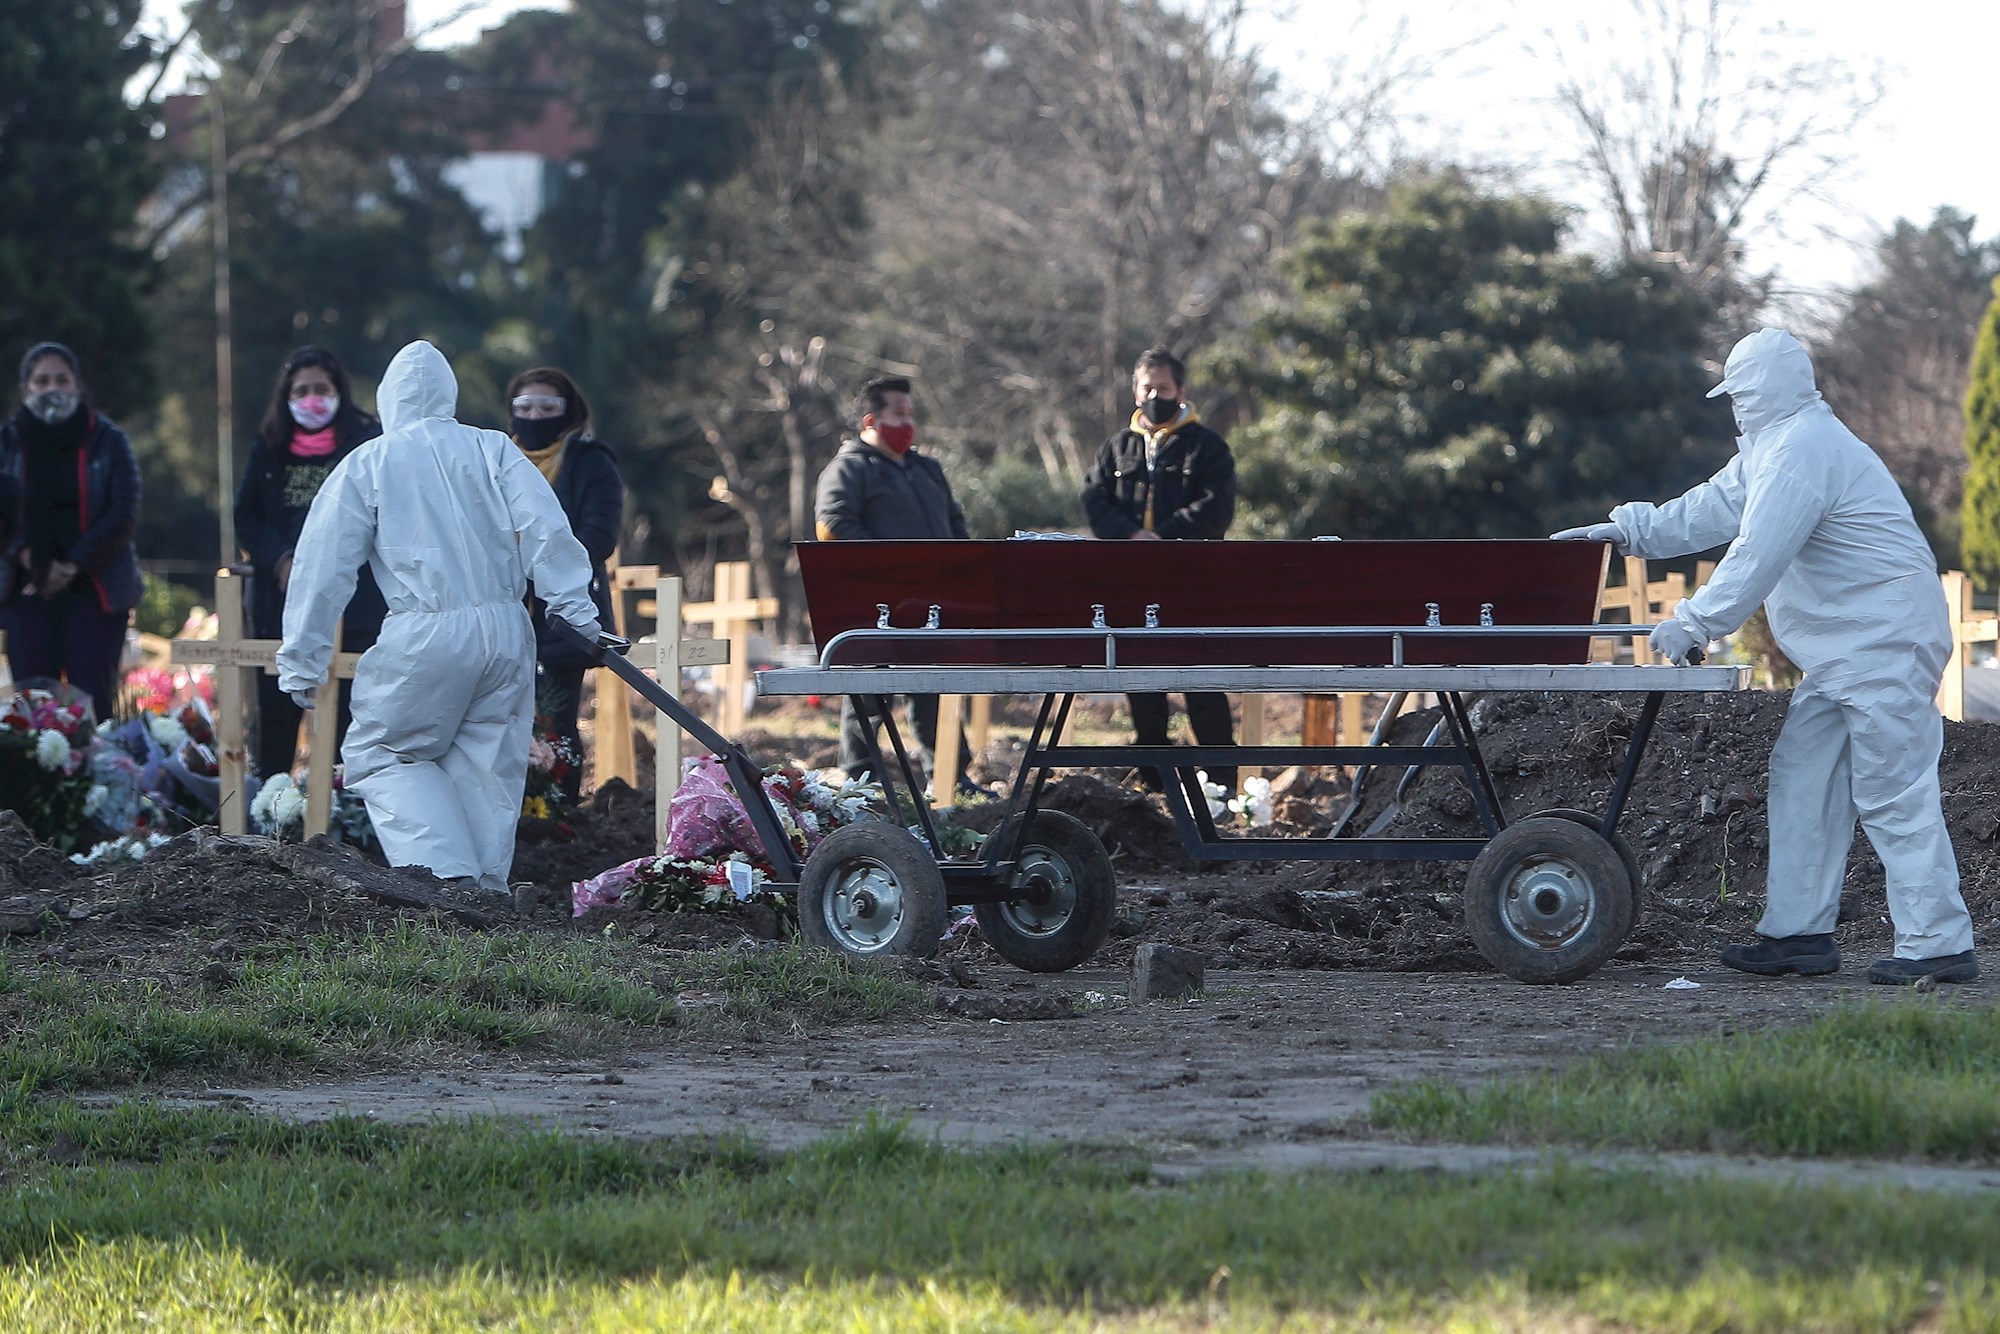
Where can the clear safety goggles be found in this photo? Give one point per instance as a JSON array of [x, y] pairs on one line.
[[538, 405]]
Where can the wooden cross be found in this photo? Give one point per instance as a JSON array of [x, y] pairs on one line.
[[731, 614], [231, 655], [1967, 629]]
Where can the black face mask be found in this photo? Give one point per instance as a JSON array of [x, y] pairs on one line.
[[537, 432], [1160, 411]]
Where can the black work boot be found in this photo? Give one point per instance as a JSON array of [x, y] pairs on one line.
[[1908, 972], [1774, 956]]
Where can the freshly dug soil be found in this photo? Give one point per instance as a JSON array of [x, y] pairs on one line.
[[614, 826], [1695, 821]]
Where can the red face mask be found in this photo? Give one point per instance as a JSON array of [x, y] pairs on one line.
[[896, 439]]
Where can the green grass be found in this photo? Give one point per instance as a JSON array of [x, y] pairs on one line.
[[219, 1220], [1870, 1080], [327, 1004]]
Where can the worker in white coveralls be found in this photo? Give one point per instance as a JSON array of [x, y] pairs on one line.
[[1822, 537], [453, 521]]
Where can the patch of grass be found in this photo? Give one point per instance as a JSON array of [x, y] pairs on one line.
[[1868, 1080], [328, 1003], [796, 987], [219, 1220]]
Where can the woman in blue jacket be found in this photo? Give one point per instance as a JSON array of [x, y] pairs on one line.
[[550, 422], [71, 573], [311, 424]]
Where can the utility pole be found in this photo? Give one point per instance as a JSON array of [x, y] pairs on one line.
[[225, 380]]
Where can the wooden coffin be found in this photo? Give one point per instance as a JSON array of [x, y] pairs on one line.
[[1052, 585]]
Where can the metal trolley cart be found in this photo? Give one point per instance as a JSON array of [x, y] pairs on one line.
[[1548, 898]]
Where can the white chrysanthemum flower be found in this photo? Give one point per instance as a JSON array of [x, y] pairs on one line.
[[167, 733], [94, 801], [1255, 804], [51, 750], [288, 806], [278, 803]]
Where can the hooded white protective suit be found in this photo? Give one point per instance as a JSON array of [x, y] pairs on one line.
[[1826, 543], [453, 521]]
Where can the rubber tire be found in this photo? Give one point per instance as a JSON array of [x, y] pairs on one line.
[[1066, 839], [1515, 848], [899, 853], [1625, 853]]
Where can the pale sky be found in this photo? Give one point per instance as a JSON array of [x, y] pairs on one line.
[[1927, 143], [1492, 67]]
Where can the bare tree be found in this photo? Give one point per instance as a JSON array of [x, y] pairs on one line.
[[1698, 131], [1895, 364], [260, 131], [1098, 176]]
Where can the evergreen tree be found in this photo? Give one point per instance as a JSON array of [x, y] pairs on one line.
[[1979, 541], [1444, 371], [74, 167]]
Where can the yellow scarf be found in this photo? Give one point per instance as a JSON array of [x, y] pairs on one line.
[[1156, 436], [1154, 439], [548, 460]]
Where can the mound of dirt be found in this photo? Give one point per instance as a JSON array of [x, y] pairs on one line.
[[1696, 822], [614, 826], [203, 886]]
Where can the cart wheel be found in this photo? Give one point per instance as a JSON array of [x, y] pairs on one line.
[[1625, 853], [1548, 900], [1069, 896], [872, 889]]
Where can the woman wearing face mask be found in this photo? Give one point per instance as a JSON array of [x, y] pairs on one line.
[[311, 424], [71, 574], [550, 422]]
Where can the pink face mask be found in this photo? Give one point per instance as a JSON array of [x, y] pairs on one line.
[[315, 410]]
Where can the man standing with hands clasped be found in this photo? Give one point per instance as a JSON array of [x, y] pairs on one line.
[[1165, 476], [1821, 536]]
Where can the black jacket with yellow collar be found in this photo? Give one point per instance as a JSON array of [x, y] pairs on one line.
[[1190, 488]]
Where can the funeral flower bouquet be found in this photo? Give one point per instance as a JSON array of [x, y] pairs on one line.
[[713, 857], [550, 763], [45, 770], [279, 810]]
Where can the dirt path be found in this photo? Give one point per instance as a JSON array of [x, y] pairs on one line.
[[1262, 1071]]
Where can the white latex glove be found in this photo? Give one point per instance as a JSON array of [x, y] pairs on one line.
[[305, 698], [1593, 532], [1672, 640]]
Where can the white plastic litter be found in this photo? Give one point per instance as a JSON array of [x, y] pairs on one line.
[[1681, 984]]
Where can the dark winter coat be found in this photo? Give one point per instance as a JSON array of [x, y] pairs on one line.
[[867, 494], [108, 512], [593, 497], [271, 506], [1192, 484]]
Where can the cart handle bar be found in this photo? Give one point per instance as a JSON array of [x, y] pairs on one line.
[[1396, 634]]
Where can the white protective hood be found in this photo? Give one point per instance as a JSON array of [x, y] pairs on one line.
[[1822, 537], [418, 385], [1768, 378]]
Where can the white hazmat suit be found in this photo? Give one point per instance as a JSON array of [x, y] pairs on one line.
[[1825, 541], [454, 521]]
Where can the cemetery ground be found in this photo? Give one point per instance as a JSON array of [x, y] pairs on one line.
[[247, 1083]]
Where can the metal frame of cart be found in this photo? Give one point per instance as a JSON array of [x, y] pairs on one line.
[[1549, 897]]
